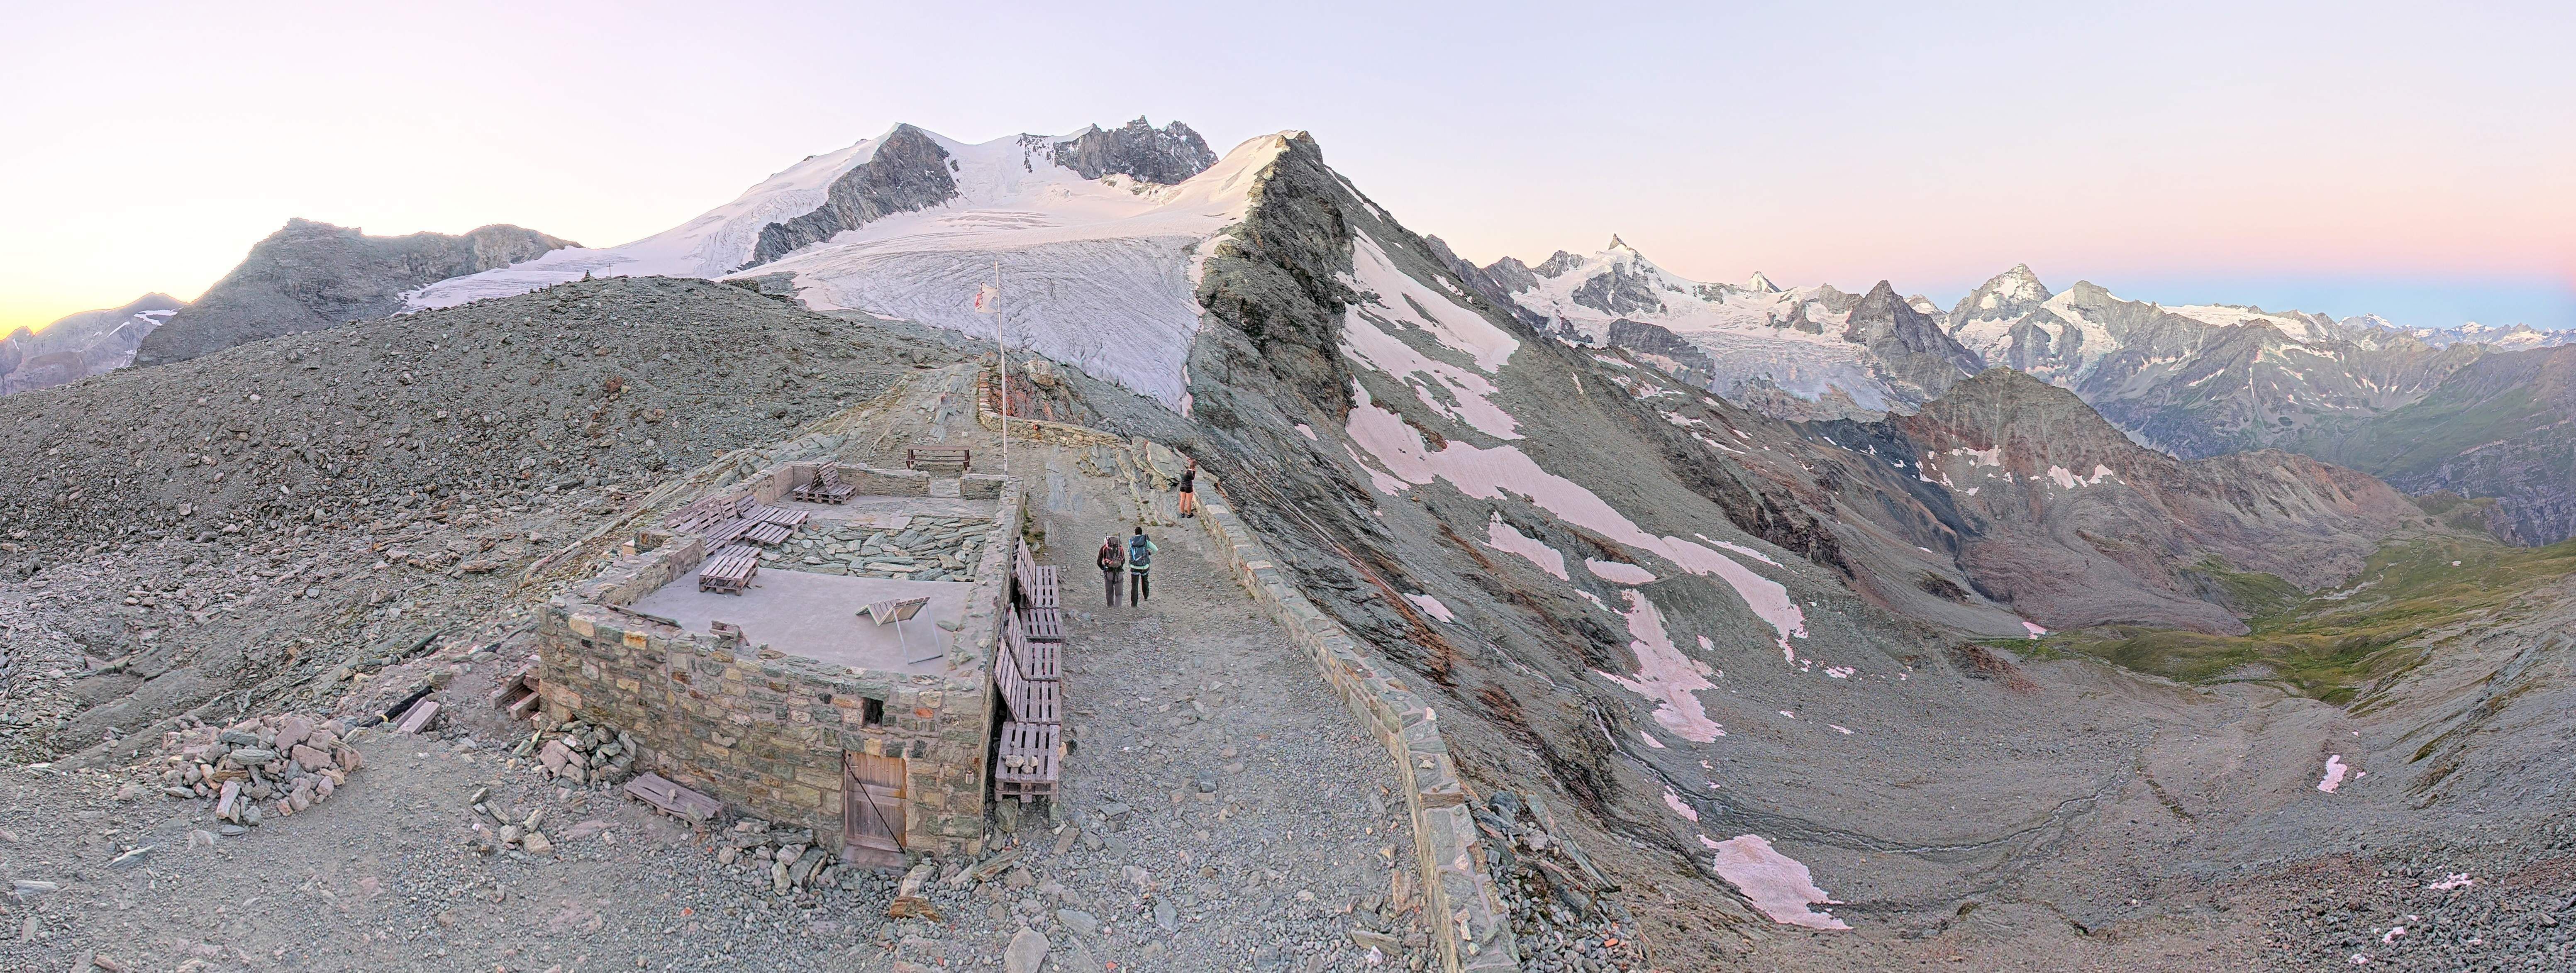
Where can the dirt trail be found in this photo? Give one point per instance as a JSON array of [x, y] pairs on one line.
[[1213, 756]]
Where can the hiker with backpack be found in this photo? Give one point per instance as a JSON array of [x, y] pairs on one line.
[[1189, 490], [1140, 559], [1113, 559]]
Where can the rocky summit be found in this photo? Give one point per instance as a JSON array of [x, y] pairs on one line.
[[1565, 616]]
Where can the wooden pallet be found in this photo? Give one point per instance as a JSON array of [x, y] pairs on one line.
[[673, 799], [1029, 701], [825, 487], [1036, 582], [767, 535], [1039, 661], [729, 571], [1042, 624], [939, 459], [1031, 759]]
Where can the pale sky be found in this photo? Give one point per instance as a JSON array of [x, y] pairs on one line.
[[2338, 157]]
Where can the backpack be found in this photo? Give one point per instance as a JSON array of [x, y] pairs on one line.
[[1113, 556], [1140, 553]]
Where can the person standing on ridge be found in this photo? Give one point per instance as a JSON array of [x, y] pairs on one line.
[[1113, 559], [1140, 559], [1189, 485]]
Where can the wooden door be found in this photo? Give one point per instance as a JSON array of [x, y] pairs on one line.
[[872, 806]]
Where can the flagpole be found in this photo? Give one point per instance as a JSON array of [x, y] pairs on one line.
[[1002, 353]]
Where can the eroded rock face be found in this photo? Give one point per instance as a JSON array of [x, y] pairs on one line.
[[310, 275], [908, 172], [1166, 155], [1912, 346]]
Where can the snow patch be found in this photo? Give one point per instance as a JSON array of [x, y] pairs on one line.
[[2335, 771], [1780, 886], [1665, 675], [1651, 742], [1503, 537], [1431, 606], [1484, 474], [1673, 799]]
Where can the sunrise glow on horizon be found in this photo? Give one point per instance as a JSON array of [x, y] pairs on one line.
[[2348, 160]]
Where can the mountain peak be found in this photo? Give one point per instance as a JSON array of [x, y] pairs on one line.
[[1617, 245], [1760, 284]]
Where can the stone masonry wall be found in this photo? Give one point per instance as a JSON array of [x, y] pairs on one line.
[[765, 732], [1468, 920]]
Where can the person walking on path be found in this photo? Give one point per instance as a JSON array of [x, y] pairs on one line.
[[1113, 559], [1189, 495], [1140, 559]]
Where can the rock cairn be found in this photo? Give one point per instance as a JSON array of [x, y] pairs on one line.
[[582, 752], [497, 830], [1560, 915], [257, 769]]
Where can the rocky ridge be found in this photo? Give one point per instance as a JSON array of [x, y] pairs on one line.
[[310, 275]]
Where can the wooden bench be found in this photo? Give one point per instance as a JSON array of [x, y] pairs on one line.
[[1036, 582], [825, 487], [1030, 760], [939, 459], [1042, 624], [729, 571], [1029, 701], [1039, 661]]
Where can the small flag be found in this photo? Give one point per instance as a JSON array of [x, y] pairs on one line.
[[987, 298]]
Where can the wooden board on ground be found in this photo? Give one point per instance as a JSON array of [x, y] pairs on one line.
[[418, 717], [673, 799]]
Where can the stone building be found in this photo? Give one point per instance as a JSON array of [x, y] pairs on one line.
[[783, 701]]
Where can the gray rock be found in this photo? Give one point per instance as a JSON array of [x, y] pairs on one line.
[[309, 276], [1078, 921], [1027, 951]]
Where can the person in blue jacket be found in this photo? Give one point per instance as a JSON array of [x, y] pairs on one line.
[[1140, 560]]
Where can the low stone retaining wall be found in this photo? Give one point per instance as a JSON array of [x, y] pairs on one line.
[[1467, 918]]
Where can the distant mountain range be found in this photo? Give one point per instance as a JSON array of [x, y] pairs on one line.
[[2192, 380], [1102, 234]]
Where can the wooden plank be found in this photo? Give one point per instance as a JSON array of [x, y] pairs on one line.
[[1042, 624], [419, 716], [673, 799], [766, 534]]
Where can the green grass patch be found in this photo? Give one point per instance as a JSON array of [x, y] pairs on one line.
[[2332, 644]]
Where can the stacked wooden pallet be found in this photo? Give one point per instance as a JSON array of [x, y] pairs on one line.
[[825, 487], [729, 571], [1028, 672]]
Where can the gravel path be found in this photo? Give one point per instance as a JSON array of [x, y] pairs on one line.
[[1232, 814]]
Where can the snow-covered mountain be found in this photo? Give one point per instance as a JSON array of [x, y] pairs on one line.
[[2515, 336], [1097, 237], [1800, 352], [80, 345]]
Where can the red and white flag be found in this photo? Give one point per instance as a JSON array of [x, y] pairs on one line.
[[987, 298]]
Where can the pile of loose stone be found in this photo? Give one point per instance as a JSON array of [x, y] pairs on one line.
[[924, 549], [581, 752], [496, 830], [1554, 893], [257, 768], [787, 857]]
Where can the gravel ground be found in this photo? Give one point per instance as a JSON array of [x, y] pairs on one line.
[[279, 517]]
